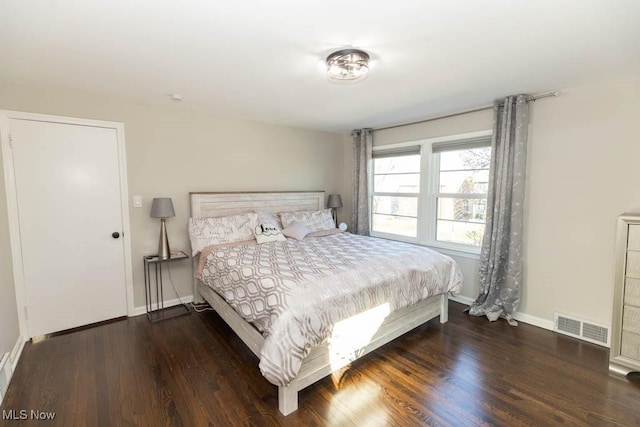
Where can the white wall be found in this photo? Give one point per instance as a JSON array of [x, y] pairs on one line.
[[9, 329], [583, 171], [172, 151], [584, 159]]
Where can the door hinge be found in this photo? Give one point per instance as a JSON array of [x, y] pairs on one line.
[[26, 313]]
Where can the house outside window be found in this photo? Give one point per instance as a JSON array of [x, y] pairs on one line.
[[432, 192]]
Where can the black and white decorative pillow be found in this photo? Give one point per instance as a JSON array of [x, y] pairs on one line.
[[265, 217], [268, 233]]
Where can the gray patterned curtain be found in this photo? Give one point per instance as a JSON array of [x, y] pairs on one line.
[[362, 144], [501, 254]]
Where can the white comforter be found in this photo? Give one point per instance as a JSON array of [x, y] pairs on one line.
[[295, 292]]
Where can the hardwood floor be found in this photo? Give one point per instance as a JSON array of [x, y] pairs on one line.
[[193, 371]]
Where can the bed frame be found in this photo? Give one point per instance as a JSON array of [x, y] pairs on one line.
[[317, 364]]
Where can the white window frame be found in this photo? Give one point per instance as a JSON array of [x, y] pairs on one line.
[[427, 198], [372, 193]]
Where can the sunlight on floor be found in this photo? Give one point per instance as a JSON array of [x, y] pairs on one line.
[[468, 367], [467, 372], [361, 402], [351, 335]]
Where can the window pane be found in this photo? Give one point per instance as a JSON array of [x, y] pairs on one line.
[[401, 164], [405, 183], [398, 206], [466, 233], [395, 215], [401, 225], [464, 181], [460, 209], [474, 158]]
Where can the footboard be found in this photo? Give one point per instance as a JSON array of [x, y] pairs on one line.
[[321, 362]]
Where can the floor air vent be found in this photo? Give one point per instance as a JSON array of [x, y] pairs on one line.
[[588, 331]]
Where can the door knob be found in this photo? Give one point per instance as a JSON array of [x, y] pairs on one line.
[[115, 234]]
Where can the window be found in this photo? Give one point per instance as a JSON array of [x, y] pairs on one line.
[[461, 199], [433, 192], [396, 187]]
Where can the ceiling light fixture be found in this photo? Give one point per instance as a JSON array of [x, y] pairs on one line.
[[348, 65]]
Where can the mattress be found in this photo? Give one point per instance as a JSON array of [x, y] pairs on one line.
[[298, 293]]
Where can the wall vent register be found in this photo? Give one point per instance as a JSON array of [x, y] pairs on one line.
[[578, 328]]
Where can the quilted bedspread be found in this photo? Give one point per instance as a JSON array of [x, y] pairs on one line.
[[295, 292]]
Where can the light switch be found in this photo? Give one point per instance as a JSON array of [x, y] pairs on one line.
[[137, 201]]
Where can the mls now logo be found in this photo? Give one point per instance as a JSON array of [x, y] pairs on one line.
[[23, 414]]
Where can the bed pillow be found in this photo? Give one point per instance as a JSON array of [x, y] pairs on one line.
[[325, 233], [296, 230], [265, 217], [205, 232], [314, 220], [268, 233]]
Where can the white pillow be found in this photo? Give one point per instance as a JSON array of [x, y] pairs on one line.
[[205, 232], [268, 233], [314, 220], [297, 231]]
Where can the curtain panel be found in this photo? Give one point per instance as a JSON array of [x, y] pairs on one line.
[[501, 253], [362, 148]]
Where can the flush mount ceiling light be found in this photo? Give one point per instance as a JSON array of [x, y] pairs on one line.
[[348, 65]]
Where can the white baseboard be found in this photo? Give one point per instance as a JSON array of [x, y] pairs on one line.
[[169, 303], [520, 317], [17, 352], [8, 363], [533, 320], [461, 299], [5, 375]]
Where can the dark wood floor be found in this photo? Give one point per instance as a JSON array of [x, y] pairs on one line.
[[193, 371]]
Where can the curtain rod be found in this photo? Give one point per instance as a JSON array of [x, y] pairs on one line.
[[472, 110]]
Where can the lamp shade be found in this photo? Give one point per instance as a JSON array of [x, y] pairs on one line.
[[162, 207], [335, 201]]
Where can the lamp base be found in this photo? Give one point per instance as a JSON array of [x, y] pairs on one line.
[[163, 245]]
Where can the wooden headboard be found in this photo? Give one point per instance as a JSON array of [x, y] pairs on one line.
[[207, 204]]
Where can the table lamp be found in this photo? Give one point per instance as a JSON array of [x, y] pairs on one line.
[[163, 208], [334, 202]]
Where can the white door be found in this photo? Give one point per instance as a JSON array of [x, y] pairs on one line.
[[67, 183]]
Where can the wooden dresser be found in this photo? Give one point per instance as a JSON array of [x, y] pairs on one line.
[[625, 327]]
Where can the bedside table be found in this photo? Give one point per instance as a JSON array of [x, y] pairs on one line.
[[153, 276]]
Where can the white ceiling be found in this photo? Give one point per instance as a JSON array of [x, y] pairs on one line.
[[263, 60]]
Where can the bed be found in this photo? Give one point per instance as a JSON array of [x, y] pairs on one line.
[[350, 320]]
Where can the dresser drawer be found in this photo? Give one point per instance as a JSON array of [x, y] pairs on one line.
[[625, 325], [633, 240], [632, 291], [630, 346], [631, 319], [633, 264]]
